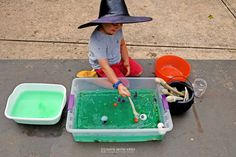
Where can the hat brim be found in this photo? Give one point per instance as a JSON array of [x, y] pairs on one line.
[[116, 19]]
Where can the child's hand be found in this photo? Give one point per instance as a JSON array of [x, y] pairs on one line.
[[126, 64], [123, 91]]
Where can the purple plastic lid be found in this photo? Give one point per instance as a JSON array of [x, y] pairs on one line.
[[165, 103], [71, 102]]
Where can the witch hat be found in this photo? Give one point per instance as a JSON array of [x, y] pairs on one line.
[[114, 11]]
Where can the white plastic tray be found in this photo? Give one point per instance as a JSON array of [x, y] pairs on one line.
[[35, 87]]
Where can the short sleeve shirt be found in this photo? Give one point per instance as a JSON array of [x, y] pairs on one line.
[[104, 46]]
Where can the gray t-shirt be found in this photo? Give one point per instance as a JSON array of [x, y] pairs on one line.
[[104, 46]]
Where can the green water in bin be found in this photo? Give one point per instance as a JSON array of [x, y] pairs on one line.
[[92, 105], [37, 104]]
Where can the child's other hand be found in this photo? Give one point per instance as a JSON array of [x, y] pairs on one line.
[[123, 91], [126, 64]]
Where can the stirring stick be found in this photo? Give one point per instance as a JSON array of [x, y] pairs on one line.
[[133, 108]]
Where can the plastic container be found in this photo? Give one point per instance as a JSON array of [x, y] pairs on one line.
[[172, 67], [180, 107], [116, 135], [36, 103]]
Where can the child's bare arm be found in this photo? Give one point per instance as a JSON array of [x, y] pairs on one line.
[[124, 51], [125, 56], [108, 70], [123, 91]]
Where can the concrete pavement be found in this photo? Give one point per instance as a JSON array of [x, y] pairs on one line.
[[207, 129], [186, 27]]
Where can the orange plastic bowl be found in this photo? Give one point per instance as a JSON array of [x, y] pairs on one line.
[[172, 68]]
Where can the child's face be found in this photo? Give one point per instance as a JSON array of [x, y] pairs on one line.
[[111, 28]]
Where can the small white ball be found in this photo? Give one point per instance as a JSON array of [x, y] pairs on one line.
[[160, 125]]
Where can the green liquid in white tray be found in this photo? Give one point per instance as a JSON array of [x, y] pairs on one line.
[[37, 104]]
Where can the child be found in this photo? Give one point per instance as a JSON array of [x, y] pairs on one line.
[[108, 53]]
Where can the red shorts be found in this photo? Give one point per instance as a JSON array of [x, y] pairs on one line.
[[120, 70]]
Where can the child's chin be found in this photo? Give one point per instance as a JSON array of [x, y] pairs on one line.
[[111, 33]]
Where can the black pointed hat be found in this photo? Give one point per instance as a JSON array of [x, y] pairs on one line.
[[115, 11]]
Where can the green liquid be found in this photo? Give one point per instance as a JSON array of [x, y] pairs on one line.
[[37, 104], [92, 105]]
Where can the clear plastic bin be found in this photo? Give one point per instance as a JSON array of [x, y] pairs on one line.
[[117, 135]]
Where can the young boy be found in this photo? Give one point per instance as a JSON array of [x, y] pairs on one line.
[[108, 53]]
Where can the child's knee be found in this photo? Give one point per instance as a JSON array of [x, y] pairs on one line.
[[140, 73]]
